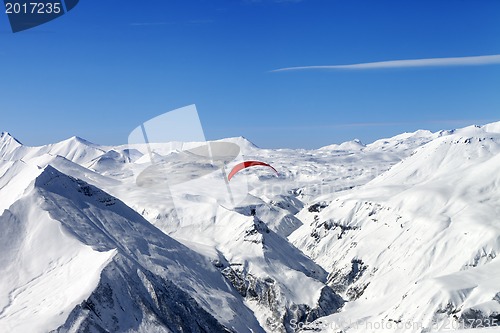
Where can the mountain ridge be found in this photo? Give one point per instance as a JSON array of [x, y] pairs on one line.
[[403, 230]]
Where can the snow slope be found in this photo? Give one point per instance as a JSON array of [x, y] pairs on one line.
[[44, 271], [95, 219], [425, 231], [403, 230]]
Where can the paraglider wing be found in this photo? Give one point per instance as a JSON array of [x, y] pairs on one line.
[[243, 165]]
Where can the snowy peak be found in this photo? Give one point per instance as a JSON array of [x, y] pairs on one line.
[[352, 145], [114, 160], [445, 155], [69, 200], [8, 144], [54, 181], [398, 142], [403, 142], [76, 149], [419, 134], [79, 140], [241, 141], [492, 127], [6, 136], [48, 174], [472, 130], [355, 144]]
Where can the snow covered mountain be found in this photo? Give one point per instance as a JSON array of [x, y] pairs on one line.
[[404, 231], [419, 243]]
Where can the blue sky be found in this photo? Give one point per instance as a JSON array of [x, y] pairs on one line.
[[109, 65]]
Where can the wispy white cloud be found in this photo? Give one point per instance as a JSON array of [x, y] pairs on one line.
[[430, 62]]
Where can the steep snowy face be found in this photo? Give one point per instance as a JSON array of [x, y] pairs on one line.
[[44, 271], [418, 244], [146, 259], [278, 281], [77, 258]]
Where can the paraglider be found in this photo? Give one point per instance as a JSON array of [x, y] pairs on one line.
[[243, 165]]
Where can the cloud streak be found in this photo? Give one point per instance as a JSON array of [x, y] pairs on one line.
[[430, 62]]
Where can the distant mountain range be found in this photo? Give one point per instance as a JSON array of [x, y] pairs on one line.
[[400, 235]]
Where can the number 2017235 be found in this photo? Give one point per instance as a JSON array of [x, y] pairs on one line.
[[33, 8]]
